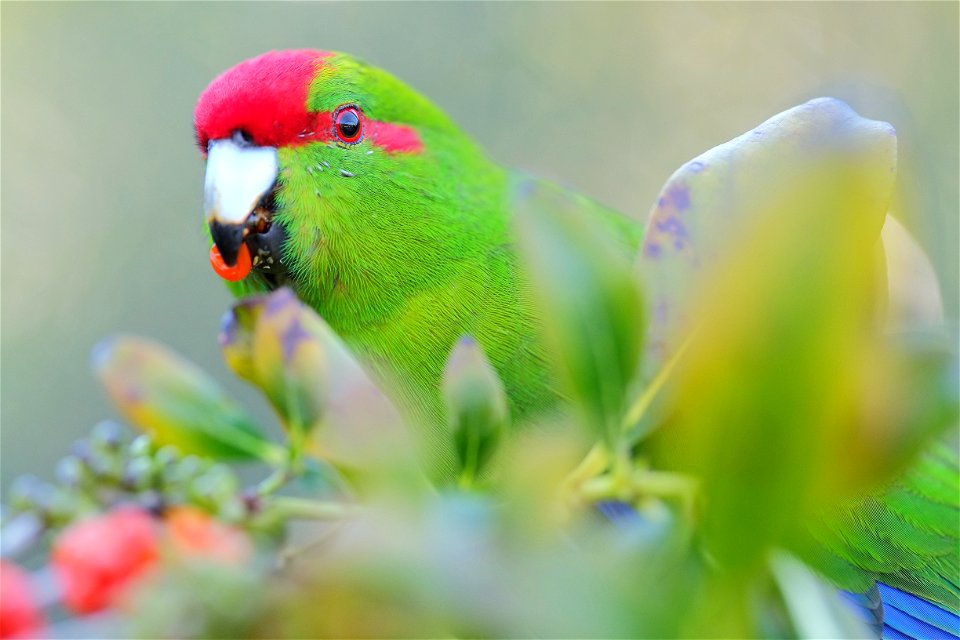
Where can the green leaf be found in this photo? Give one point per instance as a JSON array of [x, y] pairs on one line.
[[589, 300], [909, 394], [176, 403]]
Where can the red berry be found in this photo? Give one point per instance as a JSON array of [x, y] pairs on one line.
[[237, 272], [19, 614], [98, 559]]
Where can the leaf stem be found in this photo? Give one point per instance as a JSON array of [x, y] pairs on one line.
[[284, 507], [642, 404]]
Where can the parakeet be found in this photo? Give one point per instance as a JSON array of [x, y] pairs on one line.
[[334, 178]]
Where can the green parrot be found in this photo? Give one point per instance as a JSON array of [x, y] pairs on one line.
[[333, 178], [336, 179]]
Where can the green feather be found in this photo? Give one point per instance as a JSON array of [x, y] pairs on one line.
[[907, 535]]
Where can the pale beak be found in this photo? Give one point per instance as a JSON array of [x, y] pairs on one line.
[[238, 176]]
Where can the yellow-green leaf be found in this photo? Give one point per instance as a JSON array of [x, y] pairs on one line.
[[175, 402]]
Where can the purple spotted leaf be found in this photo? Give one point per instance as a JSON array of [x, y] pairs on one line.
[[318, 388], [711, 202], [265, 342], [761, 258]]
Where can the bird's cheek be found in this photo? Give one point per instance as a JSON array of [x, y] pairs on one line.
[[267, 249]]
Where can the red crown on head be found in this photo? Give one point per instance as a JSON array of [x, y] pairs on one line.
[[266, 97]]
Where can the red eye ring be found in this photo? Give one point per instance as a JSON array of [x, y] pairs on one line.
[[348, 124]]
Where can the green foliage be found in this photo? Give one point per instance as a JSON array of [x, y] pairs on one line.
[[589, 301], [769, 443]]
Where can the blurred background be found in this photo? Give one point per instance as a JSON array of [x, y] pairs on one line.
[[101, 184]]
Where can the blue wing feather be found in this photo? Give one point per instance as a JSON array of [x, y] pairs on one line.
[[910, 615]]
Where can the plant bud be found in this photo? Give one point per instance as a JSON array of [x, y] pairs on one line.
[[26, 493], [70, 472], [219, 482], [476, 406], [184, 470], [141, 446], [138, 474], [166, 457], [107, 433], [82, 450], [176, 403]]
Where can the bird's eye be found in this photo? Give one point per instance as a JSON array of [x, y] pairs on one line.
[[348, 124]]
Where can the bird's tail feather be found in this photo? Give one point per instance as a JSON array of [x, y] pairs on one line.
[[908, 616]]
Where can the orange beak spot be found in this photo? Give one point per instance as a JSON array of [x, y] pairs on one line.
[[238, 271]]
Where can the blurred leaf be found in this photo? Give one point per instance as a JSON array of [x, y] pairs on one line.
[[236, 338], [904, 535], [451, 569], [264, 341], [476, 406], [815, 607], [762, 254], [315, 384], [909, 392], [588, 298], [914, 300], [708, 205], [177, 403]]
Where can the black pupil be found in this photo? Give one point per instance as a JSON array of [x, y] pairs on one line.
[[349, 123]]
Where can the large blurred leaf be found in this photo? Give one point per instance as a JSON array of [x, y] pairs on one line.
[[589, 301], [762, 256], [711, 203], [450, 569], [177, 403], [906, 533], [909, 392]]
